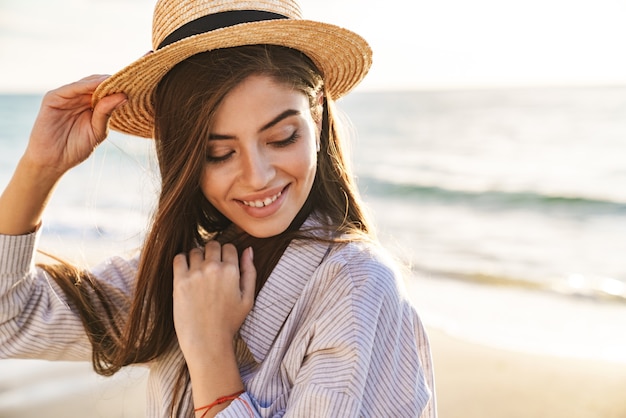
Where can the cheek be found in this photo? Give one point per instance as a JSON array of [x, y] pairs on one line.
[[309, 157], [210, 186], [305, 164]]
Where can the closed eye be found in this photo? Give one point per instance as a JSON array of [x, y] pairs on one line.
[[286, 142], [293, 138], [219, 158]]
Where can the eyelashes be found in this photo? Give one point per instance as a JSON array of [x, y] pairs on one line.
[[285, 142], [215, 159], [293, 138]]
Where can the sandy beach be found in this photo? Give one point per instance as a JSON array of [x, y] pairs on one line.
[[478, 381]]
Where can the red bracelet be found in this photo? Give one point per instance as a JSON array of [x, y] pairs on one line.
[[218, 401]]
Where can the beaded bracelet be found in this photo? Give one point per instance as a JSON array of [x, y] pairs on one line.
[[218, 401]]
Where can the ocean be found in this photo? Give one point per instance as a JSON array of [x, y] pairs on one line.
[[508, 205], [524, 187]]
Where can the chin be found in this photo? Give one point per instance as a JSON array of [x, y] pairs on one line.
[[266, 232]]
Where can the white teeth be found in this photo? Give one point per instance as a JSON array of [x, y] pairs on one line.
[[260, 203]]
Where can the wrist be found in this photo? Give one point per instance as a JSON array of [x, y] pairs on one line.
[[43, 174], [205, 409], [210, 352], [24, 199], [214, 378]]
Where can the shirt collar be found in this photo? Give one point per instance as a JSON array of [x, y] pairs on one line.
[[280, 293]]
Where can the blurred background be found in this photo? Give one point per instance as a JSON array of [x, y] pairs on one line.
[[489, 141]]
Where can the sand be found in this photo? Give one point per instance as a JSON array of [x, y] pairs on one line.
[[478, 381]]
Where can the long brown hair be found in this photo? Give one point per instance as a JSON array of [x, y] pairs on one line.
[[185, 102]]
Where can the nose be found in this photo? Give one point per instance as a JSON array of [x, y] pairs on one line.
[[258, 169]]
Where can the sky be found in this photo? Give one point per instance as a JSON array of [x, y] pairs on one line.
[[433, 44]]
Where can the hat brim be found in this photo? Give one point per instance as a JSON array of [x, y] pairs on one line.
[[342, 56]]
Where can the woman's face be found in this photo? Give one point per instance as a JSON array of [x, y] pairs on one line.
[[262, 156]]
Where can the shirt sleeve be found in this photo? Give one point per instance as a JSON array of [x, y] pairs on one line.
[[36, 319]]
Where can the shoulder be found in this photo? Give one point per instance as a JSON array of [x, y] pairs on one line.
[[365, 270]]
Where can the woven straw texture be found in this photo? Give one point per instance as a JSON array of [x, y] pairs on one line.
[[342, 56]]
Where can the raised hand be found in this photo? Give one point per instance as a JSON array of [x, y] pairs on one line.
[[67, 129]]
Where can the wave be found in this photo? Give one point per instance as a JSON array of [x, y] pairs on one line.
[[598, 288], [492, 199]]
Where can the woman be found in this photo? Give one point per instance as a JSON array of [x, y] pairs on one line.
[[260, 289]]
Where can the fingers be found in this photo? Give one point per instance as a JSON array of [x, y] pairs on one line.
[[90, 83], [215, 254], [104, 108], [102, 113], [248, 276], [213, 292], [83, 87], [194, 259], [108, 104], [229, 254], [180, 265], [76, 98], [213, 251]]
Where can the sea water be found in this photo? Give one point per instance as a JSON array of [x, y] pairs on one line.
[[508, 205], [520, 185]]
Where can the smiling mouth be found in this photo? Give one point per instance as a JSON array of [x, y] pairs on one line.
[[262, 203]]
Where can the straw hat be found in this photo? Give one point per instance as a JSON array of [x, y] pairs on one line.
[[182, 28]]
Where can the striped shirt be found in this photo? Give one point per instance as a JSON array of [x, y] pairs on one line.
[[331, 334]]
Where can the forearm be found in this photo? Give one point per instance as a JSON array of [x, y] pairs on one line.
[[214, 374], [23, 201]]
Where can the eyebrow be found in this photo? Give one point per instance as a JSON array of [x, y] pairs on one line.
[[284, 115]]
